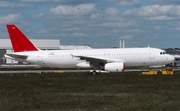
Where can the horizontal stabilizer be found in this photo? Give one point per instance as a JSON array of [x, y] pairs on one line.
[[15, 56]]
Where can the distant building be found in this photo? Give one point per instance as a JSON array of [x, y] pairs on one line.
[[73, 47], [122, 44], [40, 43]]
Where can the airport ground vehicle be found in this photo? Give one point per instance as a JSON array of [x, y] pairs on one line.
[[166, 71]]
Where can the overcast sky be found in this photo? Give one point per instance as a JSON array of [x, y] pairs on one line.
[[98, 23]]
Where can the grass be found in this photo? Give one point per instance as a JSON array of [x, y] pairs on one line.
[[82, 92]]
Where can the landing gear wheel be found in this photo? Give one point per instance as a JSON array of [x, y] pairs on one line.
[[159, 73], [94, 72]]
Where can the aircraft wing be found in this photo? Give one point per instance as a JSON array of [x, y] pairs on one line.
[[98, 59]]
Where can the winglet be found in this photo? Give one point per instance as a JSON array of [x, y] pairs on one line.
[[19, 41]]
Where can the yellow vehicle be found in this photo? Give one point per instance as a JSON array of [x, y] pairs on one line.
[[167, 71]]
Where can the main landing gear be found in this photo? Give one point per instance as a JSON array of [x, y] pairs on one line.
[[94, 72]]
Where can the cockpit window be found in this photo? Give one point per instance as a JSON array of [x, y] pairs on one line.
[[162, 53]]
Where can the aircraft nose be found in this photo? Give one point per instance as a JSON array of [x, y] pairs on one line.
[[171, 58]]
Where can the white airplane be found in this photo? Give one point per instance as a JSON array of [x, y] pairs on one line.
[[113, 60]]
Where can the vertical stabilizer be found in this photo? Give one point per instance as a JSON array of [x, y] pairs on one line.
[[19, 41]]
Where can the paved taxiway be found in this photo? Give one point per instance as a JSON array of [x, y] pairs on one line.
[[58, 71], [16, 69]]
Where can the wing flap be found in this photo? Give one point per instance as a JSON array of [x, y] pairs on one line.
[[91, 59]]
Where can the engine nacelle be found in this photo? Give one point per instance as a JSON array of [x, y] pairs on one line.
[[115, 67]]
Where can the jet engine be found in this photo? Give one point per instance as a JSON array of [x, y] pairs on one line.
[[115, 67]]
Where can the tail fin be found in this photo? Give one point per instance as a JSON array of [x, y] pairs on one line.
[[19, 41]]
